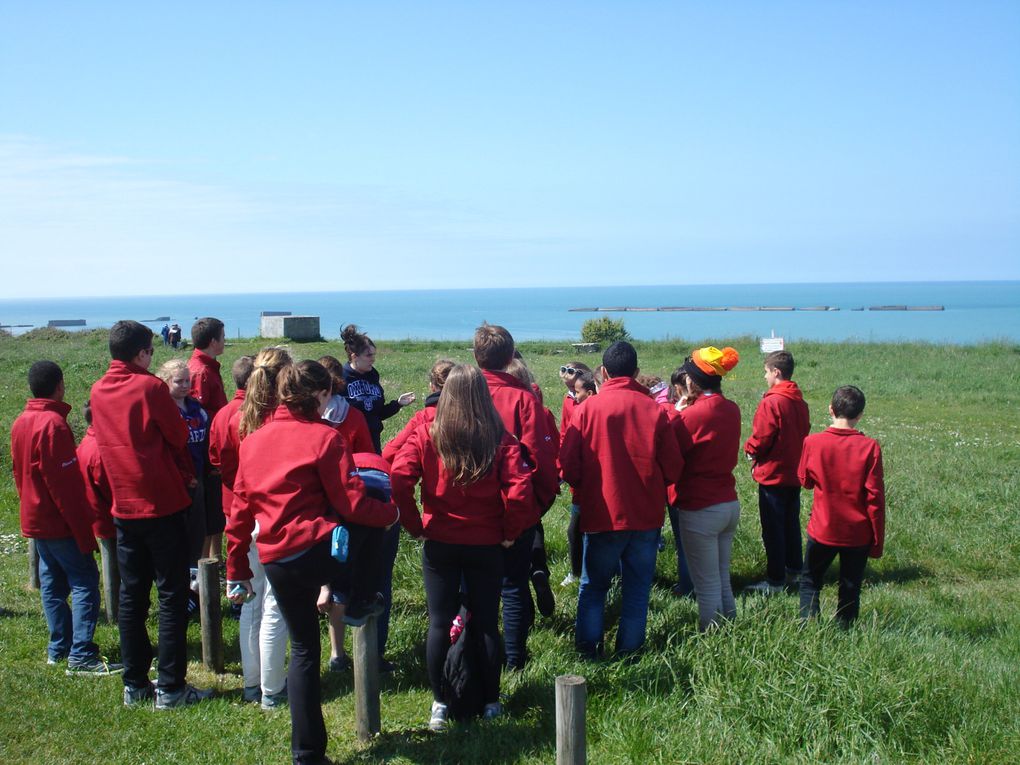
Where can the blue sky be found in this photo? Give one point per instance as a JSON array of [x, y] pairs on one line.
[[245, 147]]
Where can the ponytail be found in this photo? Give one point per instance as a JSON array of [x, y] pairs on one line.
[[260, 392]]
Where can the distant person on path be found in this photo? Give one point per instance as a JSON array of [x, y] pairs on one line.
[[844, 467], [174, 336], [56, 514], [522, 416], [780, 426], [475, 496], [365, 393], [708, 430], [165, 332], [139, 429], [619, 454], [209, 338]]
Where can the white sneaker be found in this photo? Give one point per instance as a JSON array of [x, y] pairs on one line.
[[437, 722], [569, 580], [764, 587]]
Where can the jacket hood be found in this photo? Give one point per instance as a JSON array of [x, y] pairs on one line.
[[787, 389]]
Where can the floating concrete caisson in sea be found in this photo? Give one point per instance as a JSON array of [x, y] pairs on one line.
[[738, 308]]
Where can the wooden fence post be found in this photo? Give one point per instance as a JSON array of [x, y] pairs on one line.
[[111, 578], [366, 680], [571, 702], [212, 625], [33, 565]]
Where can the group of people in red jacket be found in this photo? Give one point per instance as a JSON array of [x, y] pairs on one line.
[[309, 502]]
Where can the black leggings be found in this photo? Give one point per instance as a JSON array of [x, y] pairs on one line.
[[480, 567]]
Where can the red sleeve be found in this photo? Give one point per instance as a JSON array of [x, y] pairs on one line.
[[667, 450], [346, 491], [167, 417], [516, 488], [58, 464], [684, 440], [98, 493], [540, 450], [764, 429], [361, 439], [804, 468], [239, 528], [570, 454], [224, 445], [404, 476], [874, 497]]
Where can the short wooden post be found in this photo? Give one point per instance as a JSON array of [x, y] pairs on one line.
[[33, 565], [212, 623], [366, 680], [111, 578], [571, 702]]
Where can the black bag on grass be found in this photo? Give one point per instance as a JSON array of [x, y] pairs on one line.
[[461, 686]]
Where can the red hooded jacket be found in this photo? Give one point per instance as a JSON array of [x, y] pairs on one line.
[[206, 383], [619, 453], [97, 486], [224, 445], [523, 418], [844, 467], [780, 426], [139, 428], [297, 479], [46, 474], [497, 507], [708, 432]]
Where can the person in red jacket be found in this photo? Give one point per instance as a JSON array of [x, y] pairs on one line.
[[437, 379], [56, 514], [618, 454], [522, 416], [97, 485], [780, 426], [708, 431], [844, 467], [296, 479], [347, 419], [209, 338], [142, 440], [476, 495], [581, 383]]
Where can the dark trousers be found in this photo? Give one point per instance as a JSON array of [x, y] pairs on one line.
[[683, 571], [153, 550], [539, 559], [818, 557], [779, 508], [388, 557], [518, 607], [480, 567], [575, 541]]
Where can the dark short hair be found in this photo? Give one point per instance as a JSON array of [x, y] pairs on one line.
[[128, 339], [86, 411], [848, 402], [43, 379], [204, 331], [587, 380], [781, 361], [493, 347], [620, 359], [241, 371]]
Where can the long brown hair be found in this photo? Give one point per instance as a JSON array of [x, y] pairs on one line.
[[298, 385], [467, 430], [260, 392]]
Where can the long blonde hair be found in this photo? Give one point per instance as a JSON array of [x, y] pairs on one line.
[[260, 393], [467, 430]]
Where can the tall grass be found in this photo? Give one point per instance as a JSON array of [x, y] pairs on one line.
[[929, 674]]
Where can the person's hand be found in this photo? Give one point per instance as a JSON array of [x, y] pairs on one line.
[[405, 399], [325, 600], [192, 483], [234, 596], [507, 543]]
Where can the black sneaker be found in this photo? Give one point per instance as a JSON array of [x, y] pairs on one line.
[[359, 612], [97, 666], [543, 593], [185, 697], [135, 697]]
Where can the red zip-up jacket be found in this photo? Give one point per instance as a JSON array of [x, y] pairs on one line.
[[781, 423], [523, 418], [297, 479], [46, 474], [139, 428], [97, 486], [355, 432], [708, 432], [224, 445], [619, 453], [844, 467], [425, 415], [207, 383], [497, 507]]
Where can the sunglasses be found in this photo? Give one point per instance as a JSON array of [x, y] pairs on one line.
[[568, 371]]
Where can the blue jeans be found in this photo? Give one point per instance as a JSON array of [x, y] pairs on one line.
[[64, 570], [518, 607], [631, 553]]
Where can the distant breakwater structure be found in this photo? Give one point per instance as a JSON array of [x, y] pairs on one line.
[[748, 308]]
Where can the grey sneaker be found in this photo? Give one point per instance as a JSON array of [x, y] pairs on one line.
[[764, 587], [184, 697], [252, 694], [274, 700], [437, 722], [97, 666], [134, 697], [340, 664]]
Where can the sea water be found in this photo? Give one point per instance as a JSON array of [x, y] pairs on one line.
[[974, 311]]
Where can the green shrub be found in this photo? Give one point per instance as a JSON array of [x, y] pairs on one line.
[[604, 331]]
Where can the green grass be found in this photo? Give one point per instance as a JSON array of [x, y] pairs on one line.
[[929, 674]]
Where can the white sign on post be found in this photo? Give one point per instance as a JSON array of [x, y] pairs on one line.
[[770, 344]]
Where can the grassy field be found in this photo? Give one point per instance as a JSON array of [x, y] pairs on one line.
[[929, 673]]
